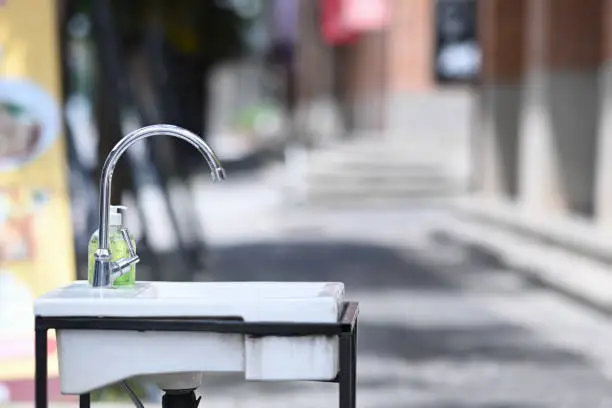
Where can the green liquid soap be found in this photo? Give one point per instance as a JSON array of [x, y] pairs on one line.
[[119, 250], [118, 247]]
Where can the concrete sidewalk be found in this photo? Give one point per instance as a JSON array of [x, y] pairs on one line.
[[569, 257]]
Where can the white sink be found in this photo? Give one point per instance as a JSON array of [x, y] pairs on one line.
[[90, 359]]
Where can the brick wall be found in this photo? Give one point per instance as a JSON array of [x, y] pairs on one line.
[[501, 32], [545, 34], [606, 30], [574, 33], [410, 45]]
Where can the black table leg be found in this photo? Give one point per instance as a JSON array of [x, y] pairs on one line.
[[40, 380], [347, 380], [354, 366], [85, 400]]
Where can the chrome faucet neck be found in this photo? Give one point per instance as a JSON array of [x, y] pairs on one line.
[[103, 267]]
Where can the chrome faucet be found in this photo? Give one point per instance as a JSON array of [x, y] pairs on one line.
[[105, 269]]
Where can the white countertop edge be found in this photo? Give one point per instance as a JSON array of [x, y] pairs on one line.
[[321, 309]]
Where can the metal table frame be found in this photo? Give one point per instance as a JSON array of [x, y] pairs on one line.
[[345, 329]]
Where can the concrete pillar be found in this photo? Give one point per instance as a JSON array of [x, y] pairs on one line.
[[560, 108], [409, 67], [500, 26], [317, 115], [366, 77], [603, 178]]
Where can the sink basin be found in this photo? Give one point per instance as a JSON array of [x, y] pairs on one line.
[[90, 359]]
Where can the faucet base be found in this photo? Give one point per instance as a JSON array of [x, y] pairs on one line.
[[102, 268]]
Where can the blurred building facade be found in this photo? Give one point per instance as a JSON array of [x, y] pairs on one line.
[[543, 126], [397, 92], [541, 105], [388, 76]]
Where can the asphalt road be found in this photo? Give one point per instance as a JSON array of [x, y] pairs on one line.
[[442, 325]]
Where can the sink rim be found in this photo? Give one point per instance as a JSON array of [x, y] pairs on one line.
[[143, 302], [326, 289]]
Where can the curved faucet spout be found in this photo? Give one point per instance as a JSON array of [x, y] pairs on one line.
[[103, 267]]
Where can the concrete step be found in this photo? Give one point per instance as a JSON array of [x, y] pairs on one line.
[[375, 186], [582, 278], [395, 194], [409, 167], [384, 173], [385, 187], [374, 143], [341, 200], [369, 157], [366, 172], [391, 194], [382, 167]]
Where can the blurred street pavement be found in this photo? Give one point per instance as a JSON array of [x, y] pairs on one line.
[[442, 325]]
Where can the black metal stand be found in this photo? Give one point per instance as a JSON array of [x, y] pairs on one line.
[[345, 329]]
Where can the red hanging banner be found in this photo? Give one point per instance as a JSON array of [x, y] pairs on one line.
[[333, 29], [365, 15]]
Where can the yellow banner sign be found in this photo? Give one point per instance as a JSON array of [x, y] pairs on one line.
[[36, 244]]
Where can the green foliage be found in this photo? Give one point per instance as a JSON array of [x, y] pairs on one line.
[[245, 118]]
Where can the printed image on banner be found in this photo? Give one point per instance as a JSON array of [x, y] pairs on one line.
[[29, 122]]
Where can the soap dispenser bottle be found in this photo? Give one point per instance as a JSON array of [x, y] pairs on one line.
[[118, 247]]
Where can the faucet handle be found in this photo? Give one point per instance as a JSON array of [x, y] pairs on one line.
[[121, 266], [128, 241]]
